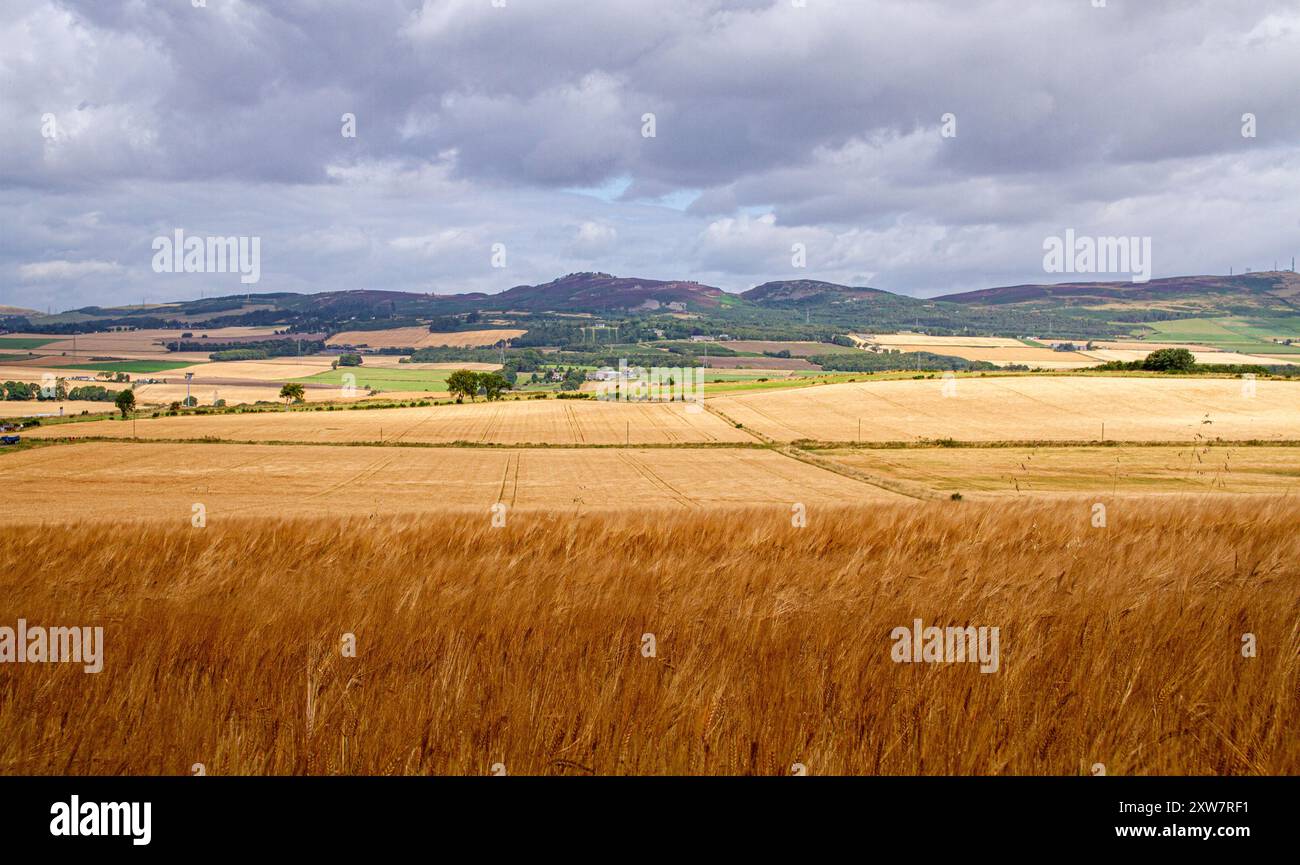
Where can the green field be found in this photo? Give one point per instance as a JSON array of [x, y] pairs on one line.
[[803, 379], [139, 366], [400, 380], [1250, 336], [23, 342]]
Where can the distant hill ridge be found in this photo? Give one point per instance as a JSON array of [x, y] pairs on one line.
[[1269, 292]]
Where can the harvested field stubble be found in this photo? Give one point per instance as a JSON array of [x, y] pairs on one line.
[[523, 645]]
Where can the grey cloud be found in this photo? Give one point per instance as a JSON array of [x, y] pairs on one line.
[[472, 121]]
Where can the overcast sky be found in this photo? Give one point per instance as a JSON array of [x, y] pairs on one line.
[[521, 124]]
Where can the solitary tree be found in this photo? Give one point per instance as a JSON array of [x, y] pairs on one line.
[[125, 402], [463, 382], [292, 392], [1170, 360]]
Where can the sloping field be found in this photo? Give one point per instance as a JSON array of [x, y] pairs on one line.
[[43, 408], [391, 361], [796, 348], [572, 422], [419, 337], [773, 364], [36, 373], [1201, 357], [1069, 408], [934, 343], [70, 363], [1129, 345], [138, 343], [116, 481], [77, 376], [385, 379], [275, 369], [1018, 471], [1004, 355], [1227, 334], [234, 393]]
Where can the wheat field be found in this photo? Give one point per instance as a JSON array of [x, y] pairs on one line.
[[522, 649], [1031, 470], [524, 421], [420, 337], [1005, 408], [121, 481]]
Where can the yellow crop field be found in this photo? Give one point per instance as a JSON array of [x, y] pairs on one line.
[[1056, 408], [524, 645], [138, 344], [1129, 345], [1034, 471], [115, 481], [207, 392], [934, 343], [1028, 355], [37, 408], [551, 421], [1200, 354], [420, 337], [276, 369]]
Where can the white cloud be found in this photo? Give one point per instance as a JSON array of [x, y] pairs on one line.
[[44, 271], [593, 239]]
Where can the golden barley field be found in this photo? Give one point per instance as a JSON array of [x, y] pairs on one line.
[[149, 480], [1035, 358], [1042, 408], [547, 421], [125, 481], [525, 647], [1063, 470], [420, 337]]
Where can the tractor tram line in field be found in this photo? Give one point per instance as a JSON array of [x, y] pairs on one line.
[[791, 447], [301, 478]]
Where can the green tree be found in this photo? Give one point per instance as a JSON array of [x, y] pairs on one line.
[[463, 382], [573, 379], [292, 392], [125, 402], [492, 385], [1170, 360]]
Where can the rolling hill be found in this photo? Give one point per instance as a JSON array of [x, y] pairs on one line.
[[1268, 293], [600, 292], [781, 309]]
